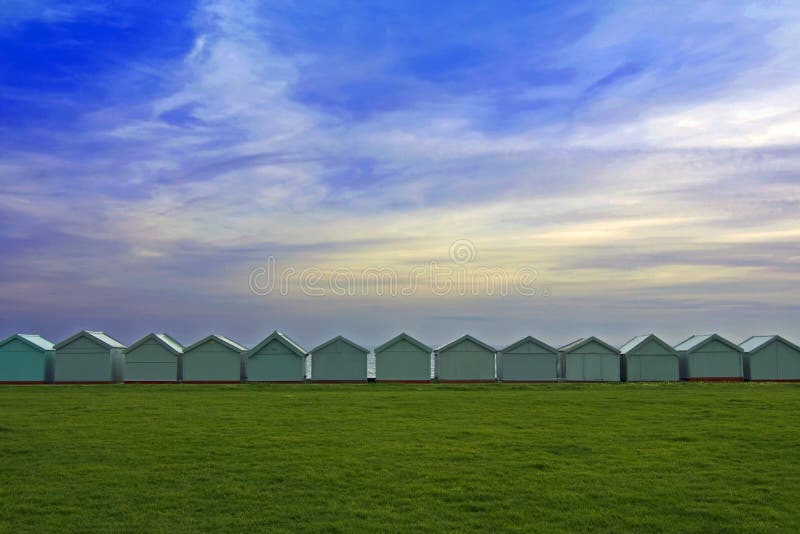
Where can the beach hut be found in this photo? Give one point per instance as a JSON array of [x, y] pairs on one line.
[[710, 357], [403, 359], [213, 359], [649, 359], [339, 360], [589, 360], [154, 358], [527, 360], [465, 360], [26, 358], [771, 358], [89, 357], [276, 359]]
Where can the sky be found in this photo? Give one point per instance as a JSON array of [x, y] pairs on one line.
[[634, 167]]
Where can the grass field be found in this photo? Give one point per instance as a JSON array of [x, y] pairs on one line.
[[624, 457]]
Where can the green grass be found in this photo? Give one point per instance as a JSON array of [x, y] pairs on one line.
[[180, 458]]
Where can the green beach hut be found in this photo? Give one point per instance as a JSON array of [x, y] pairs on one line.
[[589, 360], [154, 358], [771, 358], [339, 360], [213, 359], [527, 360], [89, 356], [465, 360], [276, 359], [710, 357], [403, 359], [26, 359], [647, 358]]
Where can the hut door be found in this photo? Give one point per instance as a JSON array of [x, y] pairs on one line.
[[634, 367], [592, 367]]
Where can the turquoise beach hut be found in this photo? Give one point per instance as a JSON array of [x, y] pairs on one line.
[[710, 357], [403, 359], [339, 360], [466, 359], [213, 359], [276, 359], [89, 356], [154, 358], [647, 358], [771, 358], [528, 360], [26, 359], [589, 360]]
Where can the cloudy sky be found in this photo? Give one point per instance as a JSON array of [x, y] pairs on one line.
[[642, 161]]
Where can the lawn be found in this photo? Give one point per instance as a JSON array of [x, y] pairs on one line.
[[378, 457]]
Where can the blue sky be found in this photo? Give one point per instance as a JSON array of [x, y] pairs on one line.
[[642, 158]]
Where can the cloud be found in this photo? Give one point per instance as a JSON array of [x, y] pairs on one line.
[[638, 158]]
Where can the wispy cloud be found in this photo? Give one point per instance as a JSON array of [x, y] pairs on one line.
[[630, 154]]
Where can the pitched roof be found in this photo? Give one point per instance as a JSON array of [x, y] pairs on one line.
[[692, 342], [236, 347], [343, 339], [466, 337], [696, 341], [281, 338], [34, 340], [400, 337], [754, 343], [633, 343], [586, 340], [570, 344], [95, 335], [529, 339], [168, 342], [637, 341]]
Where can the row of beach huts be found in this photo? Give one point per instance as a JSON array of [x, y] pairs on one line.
[[95, 357]]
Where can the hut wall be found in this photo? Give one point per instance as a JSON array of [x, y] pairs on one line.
[[274, 362], [84, 361], [466, 361], [19, 362], [151, 362], [403, 361]]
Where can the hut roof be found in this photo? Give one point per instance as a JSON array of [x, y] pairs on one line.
[[34, 340], [530, 339], [281, 338], [400, 337], [466, 337], [165, 340], [236, 347], [754, 343], [637, 341], [95, 335], [695, 342], [344, 340], [578, 343]]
